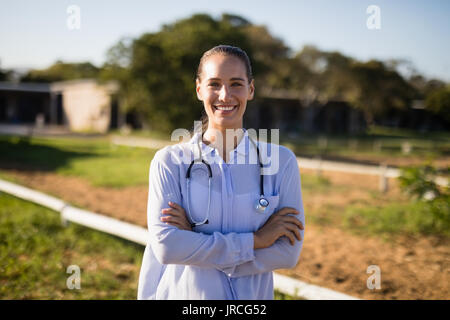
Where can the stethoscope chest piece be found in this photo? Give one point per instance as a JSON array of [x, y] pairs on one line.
[[261, 205]]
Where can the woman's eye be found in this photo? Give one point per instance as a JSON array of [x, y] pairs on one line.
[[237, 84], [213, 84]]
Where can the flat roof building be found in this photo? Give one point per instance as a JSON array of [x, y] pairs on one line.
[[82, 105]]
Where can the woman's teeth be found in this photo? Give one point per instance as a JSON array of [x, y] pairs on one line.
[[225, 108]]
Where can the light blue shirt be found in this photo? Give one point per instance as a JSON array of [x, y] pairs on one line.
[[216, 261]]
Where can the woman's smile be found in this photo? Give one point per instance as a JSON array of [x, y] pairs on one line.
[[223, 109]]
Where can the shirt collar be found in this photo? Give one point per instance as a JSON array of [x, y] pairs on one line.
[[242, 149]]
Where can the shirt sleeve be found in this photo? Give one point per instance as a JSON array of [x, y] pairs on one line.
[[174, 246], [281, 255]]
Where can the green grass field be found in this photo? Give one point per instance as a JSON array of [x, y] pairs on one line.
[[36, 251], [376, 144], [95, 160], [103, 164]]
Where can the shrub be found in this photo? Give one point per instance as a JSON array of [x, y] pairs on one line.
[[428, 211]]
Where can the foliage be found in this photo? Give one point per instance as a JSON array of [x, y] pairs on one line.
[[159, 82], [428, 212], [35, 251], [371, 86], [419, 182], [415, 217], [96, 160], [156, 73], [380, 90], [438, 102], [61, 71]]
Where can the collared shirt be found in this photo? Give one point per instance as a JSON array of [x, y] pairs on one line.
[[217, 261]]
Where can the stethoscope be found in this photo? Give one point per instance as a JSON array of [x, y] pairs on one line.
[[261, 204]]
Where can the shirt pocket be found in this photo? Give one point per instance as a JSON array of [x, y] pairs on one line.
[[245, 216]]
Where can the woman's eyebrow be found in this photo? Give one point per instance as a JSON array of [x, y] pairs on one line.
[[232, 79]]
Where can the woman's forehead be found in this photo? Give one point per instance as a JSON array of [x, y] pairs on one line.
[[223, 67]]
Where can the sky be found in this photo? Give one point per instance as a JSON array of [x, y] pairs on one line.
[[34, 34]]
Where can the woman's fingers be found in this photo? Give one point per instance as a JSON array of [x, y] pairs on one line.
[[174, 212], [287, 210], [174, 218], [171, 211], [295, 221], [290, 236], [293, 228], [176, 206]]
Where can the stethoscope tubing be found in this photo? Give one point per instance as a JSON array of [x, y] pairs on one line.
[[262, 203]]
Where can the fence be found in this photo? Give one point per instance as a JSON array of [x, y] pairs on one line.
[[139, 235]]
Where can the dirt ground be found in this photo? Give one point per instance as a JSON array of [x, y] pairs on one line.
[[411, 267]]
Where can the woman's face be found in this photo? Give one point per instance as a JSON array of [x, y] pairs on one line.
[[224, 90]]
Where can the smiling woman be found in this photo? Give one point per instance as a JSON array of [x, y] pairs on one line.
[[240, 223], [227, 85]]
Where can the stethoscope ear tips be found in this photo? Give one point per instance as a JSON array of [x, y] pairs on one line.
[[261, 205]]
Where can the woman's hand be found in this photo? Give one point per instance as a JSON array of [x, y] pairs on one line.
[[176, 216], [279, 224]]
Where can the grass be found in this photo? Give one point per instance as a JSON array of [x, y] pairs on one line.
[[376, 145], [103, 164], [412, 217], [35, 252], [142, 134], [377, 142], [282, 296], [95, 159], [371, 212]]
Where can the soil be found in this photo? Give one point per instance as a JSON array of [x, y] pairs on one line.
[[411, 267]]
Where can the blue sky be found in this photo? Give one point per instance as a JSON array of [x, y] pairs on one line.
[[35, 34]]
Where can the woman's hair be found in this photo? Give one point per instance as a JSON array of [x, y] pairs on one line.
[[225, 50]]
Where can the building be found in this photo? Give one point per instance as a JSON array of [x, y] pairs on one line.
[[80, 105], [293, 114], [87, 106]]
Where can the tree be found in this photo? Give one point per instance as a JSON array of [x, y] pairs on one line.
[[60, 71], [438, 102], [380, 90], [160, 80]]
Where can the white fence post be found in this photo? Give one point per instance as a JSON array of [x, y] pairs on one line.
[[384, 182]]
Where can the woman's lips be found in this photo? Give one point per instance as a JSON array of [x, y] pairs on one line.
[[225, 112]]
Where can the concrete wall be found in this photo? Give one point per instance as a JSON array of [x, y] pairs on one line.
[[87, 105]]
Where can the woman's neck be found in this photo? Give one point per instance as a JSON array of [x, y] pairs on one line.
[[222, 140]]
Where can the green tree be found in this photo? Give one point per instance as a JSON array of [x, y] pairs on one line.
[[438, 102], [159, 82], [379, 89], [60, 71]]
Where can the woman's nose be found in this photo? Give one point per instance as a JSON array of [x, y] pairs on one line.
[[224, 94]]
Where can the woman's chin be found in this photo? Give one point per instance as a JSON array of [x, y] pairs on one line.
[[227, 122]]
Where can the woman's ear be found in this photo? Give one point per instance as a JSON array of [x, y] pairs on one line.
[[251, 90], [197, 90]]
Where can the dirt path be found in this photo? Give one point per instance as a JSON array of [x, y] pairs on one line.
[[411, 268]]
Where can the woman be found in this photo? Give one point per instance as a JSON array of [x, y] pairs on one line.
[[218, 228]]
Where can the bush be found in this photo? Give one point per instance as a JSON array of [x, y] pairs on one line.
[[428, 212]]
